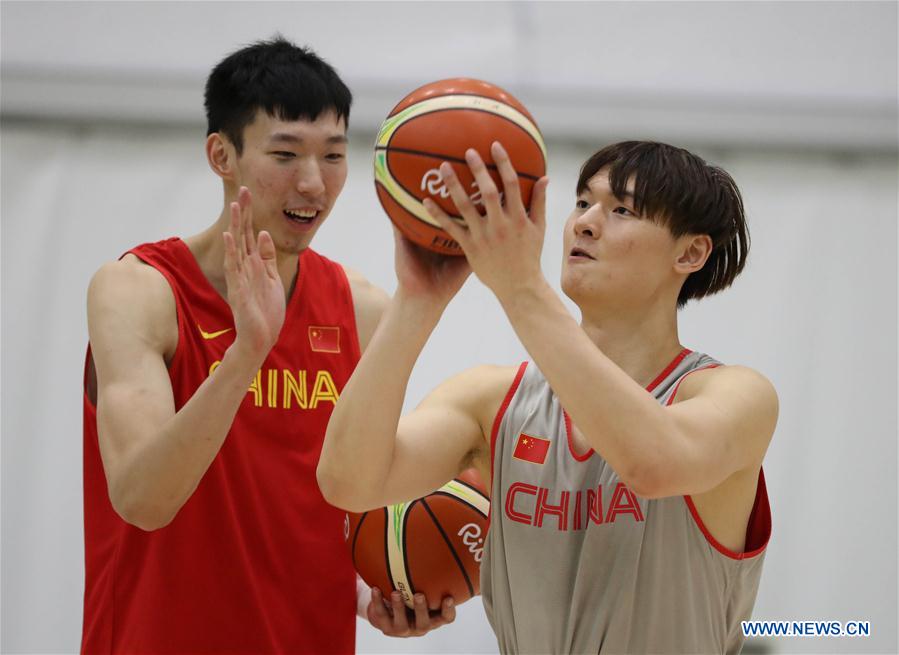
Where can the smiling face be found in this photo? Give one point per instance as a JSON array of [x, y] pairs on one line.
[[294, 170], [613, 257]]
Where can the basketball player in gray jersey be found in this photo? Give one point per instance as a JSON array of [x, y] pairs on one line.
[[629, 511]]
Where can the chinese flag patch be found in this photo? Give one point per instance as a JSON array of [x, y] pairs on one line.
[[324, 339], [531, 449]]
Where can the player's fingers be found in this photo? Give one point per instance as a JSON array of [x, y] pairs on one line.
[[490, 195], [450, 226], [234, 229], [400, 620], [511, 188], [538, 203], [267, 254], [463, 203], [244, 199], [448, 610], [422, 617], [232, 274], [377, 612]]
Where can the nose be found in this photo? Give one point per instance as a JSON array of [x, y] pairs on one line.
[[589, 223], [309, 178]]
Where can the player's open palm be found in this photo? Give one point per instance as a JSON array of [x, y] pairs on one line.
[[255, 291]]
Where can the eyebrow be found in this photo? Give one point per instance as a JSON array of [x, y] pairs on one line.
[[286, 137], [626, 195]]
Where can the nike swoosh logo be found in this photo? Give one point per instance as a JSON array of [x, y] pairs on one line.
[[212, 335]]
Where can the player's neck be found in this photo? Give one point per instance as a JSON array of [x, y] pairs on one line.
[[641, 344]]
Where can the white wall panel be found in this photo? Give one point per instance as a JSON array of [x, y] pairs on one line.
[[773, 74]]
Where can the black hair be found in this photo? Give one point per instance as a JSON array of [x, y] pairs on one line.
[[287, 81], [689, 196]]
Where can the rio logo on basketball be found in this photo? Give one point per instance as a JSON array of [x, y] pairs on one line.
[[471, 537], [433, 183]]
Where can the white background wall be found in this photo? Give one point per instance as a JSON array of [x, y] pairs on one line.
[[102, 148]]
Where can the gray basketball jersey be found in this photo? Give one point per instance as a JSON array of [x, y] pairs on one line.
[[575, 562]]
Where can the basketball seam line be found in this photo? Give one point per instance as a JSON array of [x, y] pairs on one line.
[[434, 155], [412, 588], [542, 146], [446, 495], [356, 537], [450, 546], [524, 113], [472, 487], [456, 217]]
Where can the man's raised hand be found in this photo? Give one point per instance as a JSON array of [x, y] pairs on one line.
[[255, 292]]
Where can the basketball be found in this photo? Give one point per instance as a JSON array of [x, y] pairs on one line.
[[432, 545], [439, 122]]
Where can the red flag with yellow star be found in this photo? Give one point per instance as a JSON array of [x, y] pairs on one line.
[[531, 449], [323, 339]]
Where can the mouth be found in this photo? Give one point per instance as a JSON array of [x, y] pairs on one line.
[[580, 253], [303, 216]]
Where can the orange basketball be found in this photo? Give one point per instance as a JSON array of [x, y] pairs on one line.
[[439, 122], [432, 545]]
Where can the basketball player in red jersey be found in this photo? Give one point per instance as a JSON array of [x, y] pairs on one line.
[[628, 510], [213, 366]]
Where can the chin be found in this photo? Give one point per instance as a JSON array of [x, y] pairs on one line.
[[572, 284], [292, 247]]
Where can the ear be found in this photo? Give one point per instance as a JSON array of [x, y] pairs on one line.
[[694, 253], [221, 155]]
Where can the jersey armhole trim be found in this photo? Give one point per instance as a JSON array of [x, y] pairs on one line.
[[500, 413], [180, 313], [758, 527], [664, 374], [569, 432], [583, 457], [88, 363]]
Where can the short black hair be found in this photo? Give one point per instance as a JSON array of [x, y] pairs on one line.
[[687, 195], [287, 81]]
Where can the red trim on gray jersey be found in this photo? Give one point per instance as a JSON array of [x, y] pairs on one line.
[[758, 527], [569, 431], [496, 423], [664, 374]]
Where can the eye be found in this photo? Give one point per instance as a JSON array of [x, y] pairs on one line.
[[624, 211], [335, 156], [284, 154], [582, 204]]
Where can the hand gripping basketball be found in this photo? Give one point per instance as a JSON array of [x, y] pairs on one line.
[[427, 549]]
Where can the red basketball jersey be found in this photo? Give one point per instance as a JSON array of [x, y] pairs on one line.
[[255, 560]]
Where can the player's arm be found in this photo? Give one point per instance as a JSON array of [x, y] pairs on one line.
[[721, 426], [367, 460], [372, 457], [153, 456], [721, 423]]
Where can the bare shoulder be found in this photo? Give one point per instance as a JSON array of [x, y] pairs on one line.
[[364, 291], [743, 394], [128, 298], [369, 302], [740, 380]]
